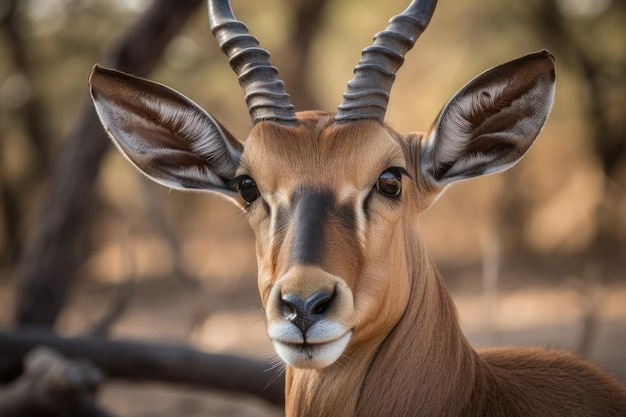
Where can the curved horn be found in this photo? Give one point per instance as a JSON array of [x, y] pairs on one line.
[[368, 91], [265, 93]]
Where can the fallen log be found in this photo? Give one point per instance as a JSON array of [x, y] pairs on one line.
[[149, 361], [52, 386]]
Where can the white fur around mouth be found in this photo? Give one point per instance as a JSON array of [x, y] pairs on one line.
[[324, 343], [312, 355]]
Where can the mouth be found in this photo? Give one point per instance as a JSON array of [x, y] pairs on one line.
[[311, 354]]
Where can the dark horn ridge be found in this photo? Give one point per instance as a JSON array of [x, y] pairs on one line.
[[367, 95], [264, 93]]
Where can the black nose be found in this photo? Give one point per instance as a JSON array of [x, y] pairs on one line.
[[304, 313]]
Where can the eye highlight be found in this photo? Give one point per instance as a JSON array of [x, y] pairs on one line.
[[247, 189], [389, 183]]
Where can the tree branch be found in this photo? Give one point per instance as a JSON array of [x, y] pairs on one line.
[[142, 361]]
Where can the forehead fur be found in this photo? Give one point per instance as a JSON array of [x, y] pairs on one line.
[[317, 150]]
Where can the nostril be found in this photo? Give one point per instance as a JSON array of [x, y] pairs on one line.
[[318, 303], [292, 306]]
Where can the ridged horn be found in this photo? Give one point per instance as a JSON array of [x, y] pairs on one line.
[[368, 91], [265, 93]]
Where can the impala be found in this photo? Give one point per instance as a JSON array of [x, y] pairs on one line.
[[354, 304]]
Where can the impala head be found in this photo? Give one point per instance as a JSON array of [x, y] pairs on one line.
[[332, 198]]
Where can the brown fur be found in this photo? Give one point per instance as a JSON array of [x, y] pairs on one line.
[[406, 354], [418, 364]]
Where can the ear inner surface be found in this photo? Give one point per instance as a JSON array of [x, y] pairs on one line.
[[492, 121], [164, 134]]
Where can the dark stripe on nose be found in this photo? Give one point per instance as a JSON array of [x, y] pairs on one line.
[[310, 213]]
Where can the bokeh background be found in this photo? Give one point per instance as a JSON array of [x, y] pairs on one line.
[[536, 255]]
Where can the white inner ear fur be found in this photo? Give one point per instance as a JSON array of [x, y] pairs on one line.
[[459, 147], [164, 134]]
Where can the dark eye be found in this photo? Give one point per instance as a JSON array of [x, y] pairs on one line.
[[390, 182], [247, 189]]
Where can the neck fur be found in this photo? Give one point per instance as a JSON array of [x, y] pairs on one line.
[[424, 366]]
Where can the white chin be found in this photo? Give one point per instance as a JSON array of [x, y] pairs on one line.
[[312, 356]]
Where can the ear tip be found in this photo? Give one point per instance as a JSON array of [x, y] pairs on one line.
[[96, 71], [544, 53], [547, 57], [541, 64]]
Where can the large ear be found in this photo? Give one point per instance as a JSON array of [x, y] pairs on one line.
[[491, 122], [164, 134]]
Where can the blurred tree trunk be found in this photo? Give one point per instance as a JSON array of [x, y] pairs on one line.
[[32, 115], [305, 22], [605, 79], [512, 213], [579, 45], [56, 248]]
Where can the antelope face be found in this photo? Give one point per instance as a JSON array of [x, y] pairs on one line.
[[330, 197], [327, 214]]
